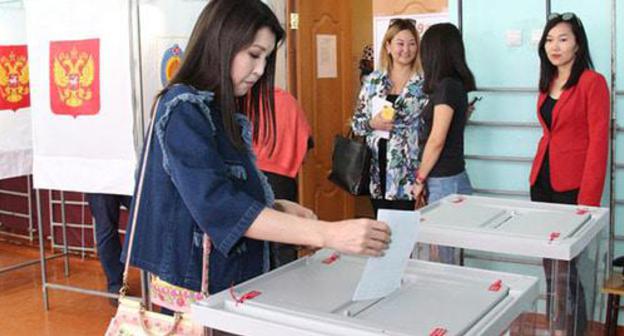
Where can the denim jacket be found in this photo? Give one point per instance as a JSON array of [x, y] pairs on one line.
[[196, 181], [402, 148]]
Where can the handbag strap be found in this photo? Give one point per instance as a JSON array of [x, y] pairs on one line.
[[177, 318], [137, 202], [205, 265]]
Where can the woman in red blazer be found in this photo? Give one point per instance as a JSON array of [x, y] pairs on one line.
[[570, 163], [573, 109]]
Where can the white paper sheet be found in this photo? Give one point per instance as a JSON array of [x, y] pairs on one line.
[[378, 105], [326, 56], [382, 275]]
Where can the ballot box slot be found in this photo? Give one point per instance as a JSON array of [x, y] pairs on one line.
[[542, 225], [463, 215], [506, 216], [497, 220], [580, 227], [353, 308]]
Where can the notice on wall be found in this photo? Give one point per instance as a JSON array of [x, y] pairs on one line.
[[326, 56]]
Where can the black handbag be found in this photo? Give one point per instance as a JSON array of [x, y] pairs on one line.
[[350, 165]]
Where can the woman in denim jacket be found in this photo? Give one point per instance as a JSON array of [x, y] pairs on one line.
[[200, 175], [394, 159]]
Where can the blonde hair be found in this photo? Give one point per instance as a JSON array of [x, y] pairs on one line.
[[396, 26]]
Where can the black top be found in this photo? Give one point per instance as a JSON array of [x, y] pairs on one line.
[[543, 178], [392, 98], [449, 91], [382, 142], [382, 147], [546, 110]]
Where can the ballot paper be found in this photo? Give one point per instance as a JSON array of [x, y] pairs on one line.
[[378, 105], [382, 275]]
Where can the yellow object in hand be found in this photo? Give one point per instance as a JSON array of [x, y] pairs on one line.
[[387, 112]]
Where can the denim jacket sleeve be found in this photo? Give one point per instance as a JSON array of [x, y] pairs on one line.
[[188, 140]]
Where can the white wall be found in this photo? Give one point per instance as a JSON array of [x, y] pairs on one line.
[[165, 21]]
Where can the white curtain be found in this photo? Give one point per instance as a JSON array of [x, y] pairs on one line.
[[15, 130], [82, 95]]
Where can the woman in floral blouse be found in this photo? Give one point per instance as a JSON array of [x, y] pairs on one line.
[[399, 81]]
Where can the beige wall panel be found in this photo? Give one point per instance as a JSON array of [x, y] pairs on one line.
[[279, 8], [398, 7], [362, 26]]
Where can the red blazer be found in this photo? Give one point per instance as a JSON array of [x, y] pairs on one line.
[[578, 141]]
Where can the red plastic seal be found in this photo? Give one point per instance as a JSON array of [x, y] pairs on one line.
[[496, 286], [439, 331], [331, 259]]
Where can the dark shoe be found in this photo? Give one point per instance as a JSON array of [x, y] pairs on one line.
[[114, 290]]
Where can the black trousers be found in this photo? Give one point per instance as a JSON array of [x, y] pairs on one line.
[[542, 191], [284, 187], [105, 210], [384, 203]]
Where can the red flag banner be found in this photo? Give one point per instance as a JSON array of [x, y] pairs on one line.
[[14, 80], [75, 77]]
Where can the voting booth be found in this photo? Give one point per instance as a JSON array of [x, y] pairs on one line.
[[313, 296], [571, 240]]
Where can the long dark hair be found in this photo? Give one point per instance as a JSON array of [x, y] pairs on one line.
[[582, 61], [224, 28], [443, 55]]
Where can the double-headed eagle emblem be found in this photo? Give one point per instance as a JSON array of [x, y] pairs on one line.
[[73, 75], [13, 78]]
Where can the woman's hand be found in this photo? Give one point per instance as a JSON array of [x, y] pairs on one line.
[[418, 191], [294, 209], [471, 108], [381, 124], [357, 236]]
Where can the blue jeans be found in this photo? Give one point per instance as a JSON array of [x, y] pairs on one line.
[[440, 187], [105, 210]]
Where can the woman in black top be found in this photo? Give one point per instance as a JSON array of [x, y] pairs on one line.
[[447, 81]]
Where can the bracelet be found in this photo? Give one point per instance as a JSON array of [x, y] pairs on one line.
[[420, 179]]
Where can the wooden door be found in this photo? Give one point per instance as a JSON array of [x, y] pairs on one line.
[[326, 100]]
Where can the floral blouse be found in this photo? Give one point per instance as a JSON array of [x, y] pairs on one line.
[[402, 148]]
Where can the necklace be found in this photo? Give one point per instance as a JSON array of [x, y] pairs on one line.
[[398, 85]]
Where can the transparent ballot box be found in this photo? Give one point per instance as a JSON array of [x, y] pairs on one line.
[[313, 296], [569, 241]]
